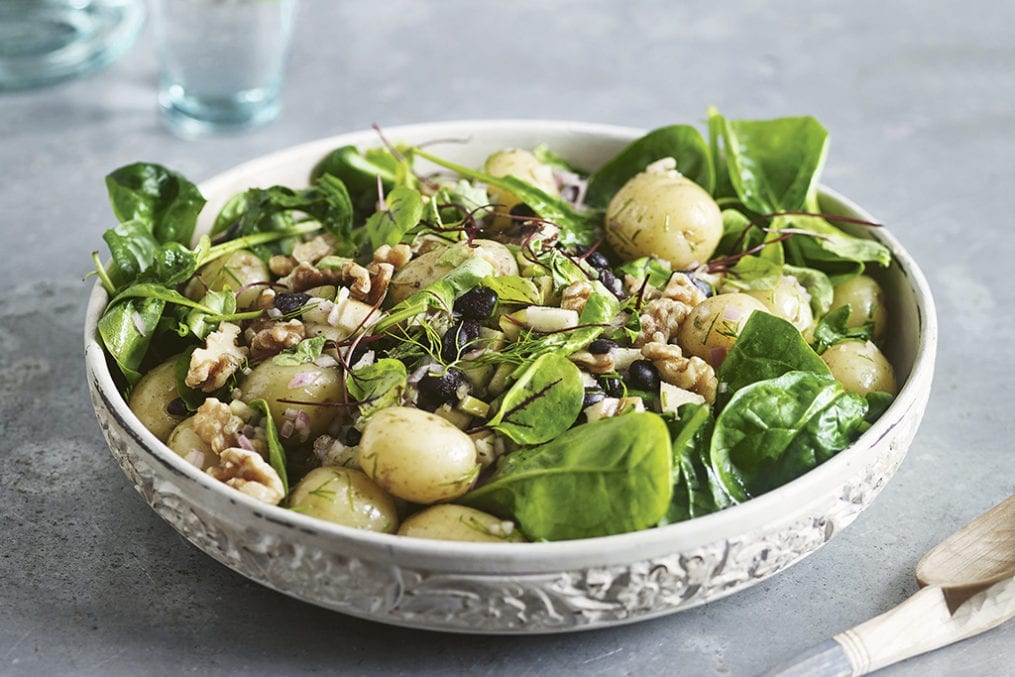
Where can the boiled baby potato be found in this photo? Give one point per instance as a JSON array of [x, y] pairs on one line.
[[712, 327], [427, 268], [310, 386], [187, 444], [345, 496], [417, 456], [449, 522], [789, 300], [860, 367], [242, 269], [151, 397], [663, 214], [523, 165], [866, 301]]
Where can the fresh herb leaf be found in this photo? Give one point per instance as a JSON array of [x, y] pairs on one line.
[[544, 401], [403, 209], [377, 386], [307, 350], [834, 327], [607, 477]]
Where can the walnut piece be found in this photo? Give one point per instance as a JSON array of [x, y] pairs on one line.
[[274, 338], [592, 363], [211, 366], [576, 295], [247, 472], [661, 316], [314, 249], [397, 256], [694, 373], [217, 425], [307, 276]]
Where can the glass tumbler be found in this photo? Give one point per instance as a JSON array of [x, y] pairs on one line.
[[46, 41], [221, 62]]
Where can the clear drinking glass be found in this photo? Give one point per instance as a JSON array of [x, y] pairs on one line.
[[45, 41], [222, 62]]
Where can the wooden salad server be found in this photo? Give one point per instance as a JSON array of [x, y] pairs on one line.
[[968, 587]]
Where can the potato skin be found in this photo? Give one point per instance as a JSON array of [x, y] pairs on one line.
[[417, 456], [273, 382], [184, 441], [712, 327], [663, 214], [151, 397], [345, 496], [861, 367], [233, 271], [427, 268], [521, 164], [449, 522], [866, 300], [788, 300]]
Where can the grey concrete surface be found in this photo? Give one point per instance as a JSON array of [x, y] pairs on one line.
[[919, 97]]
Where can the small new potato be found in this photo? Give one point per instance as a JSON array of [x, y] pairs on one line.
[[788, 300], [866, 300], [521, 164], [151, 397], [712, 327], [417, 456], [345, 496], [188, 445], [234, 272], [427, 268], [448, 522], [306, 383], [663, 214], [861, 367]]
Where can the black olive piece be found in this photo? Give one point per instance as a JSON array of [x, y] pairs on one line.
[[358, 352], [601, 346], [613, 386], [352, 437], [523, 211], [459, 339], [643, 375], [476, 304], [177, 407], [592, 395], [597, 260], [290, 303], [609, 280], [438, 389], [705, 287]]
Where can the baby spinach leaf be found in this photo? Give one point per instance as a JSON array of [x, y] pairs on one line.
[[544, 401], [133, 248], [403, 209], [773, 431], [683, 143], [607, 477], [551, 159], [166, 202], [440, 295], [276, 454], [359, 171], [768, 346], [307, 350], [192, 397], [817, 285], [378, 385], [657, 270], [692, 494], [834, 327], [126, 328], [213, 303], [774, 165], [830, 249], [514, 289], [877, 402]]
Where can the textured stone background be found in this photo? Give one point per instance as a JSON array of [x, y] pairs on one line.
[[919, 98]]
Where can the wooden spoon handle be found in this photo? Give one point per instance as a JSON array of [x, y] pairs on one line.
[[920, 624]]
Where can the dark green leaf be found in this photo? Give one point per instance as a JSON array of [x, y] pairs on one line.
[[307, 350], [166, 202], [276, 454], [834, 327], [403, 209], [607, 477], [126, 329], [544, 401], [680, 142]]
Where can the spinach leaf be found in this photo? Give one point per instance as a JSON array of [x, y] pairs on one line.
[[276, 454], [377, 386], [166, 202], [576, 227], [544, 401], [773, 431], [607, 477], [834, 327], [514, 289], [133, 248], [817, 285], [403, 208], [192, 397], [307, 350], [657, 270], [829, 249], [551, 159], [692, 485], [877, 402], [681, 142], [768, 346], [127, 328], [440, 295], [214, 303], [773, 165], [359, 171]]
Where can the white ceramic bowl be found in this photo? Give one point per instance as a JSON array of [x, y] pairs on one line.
[[534, 587]]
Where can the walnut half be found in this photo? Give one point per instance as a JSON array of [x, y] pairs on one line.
[[693, 373], [247, 472]]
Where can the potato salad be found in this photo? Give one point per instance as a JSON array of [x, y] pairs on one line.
[[525, 350]]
